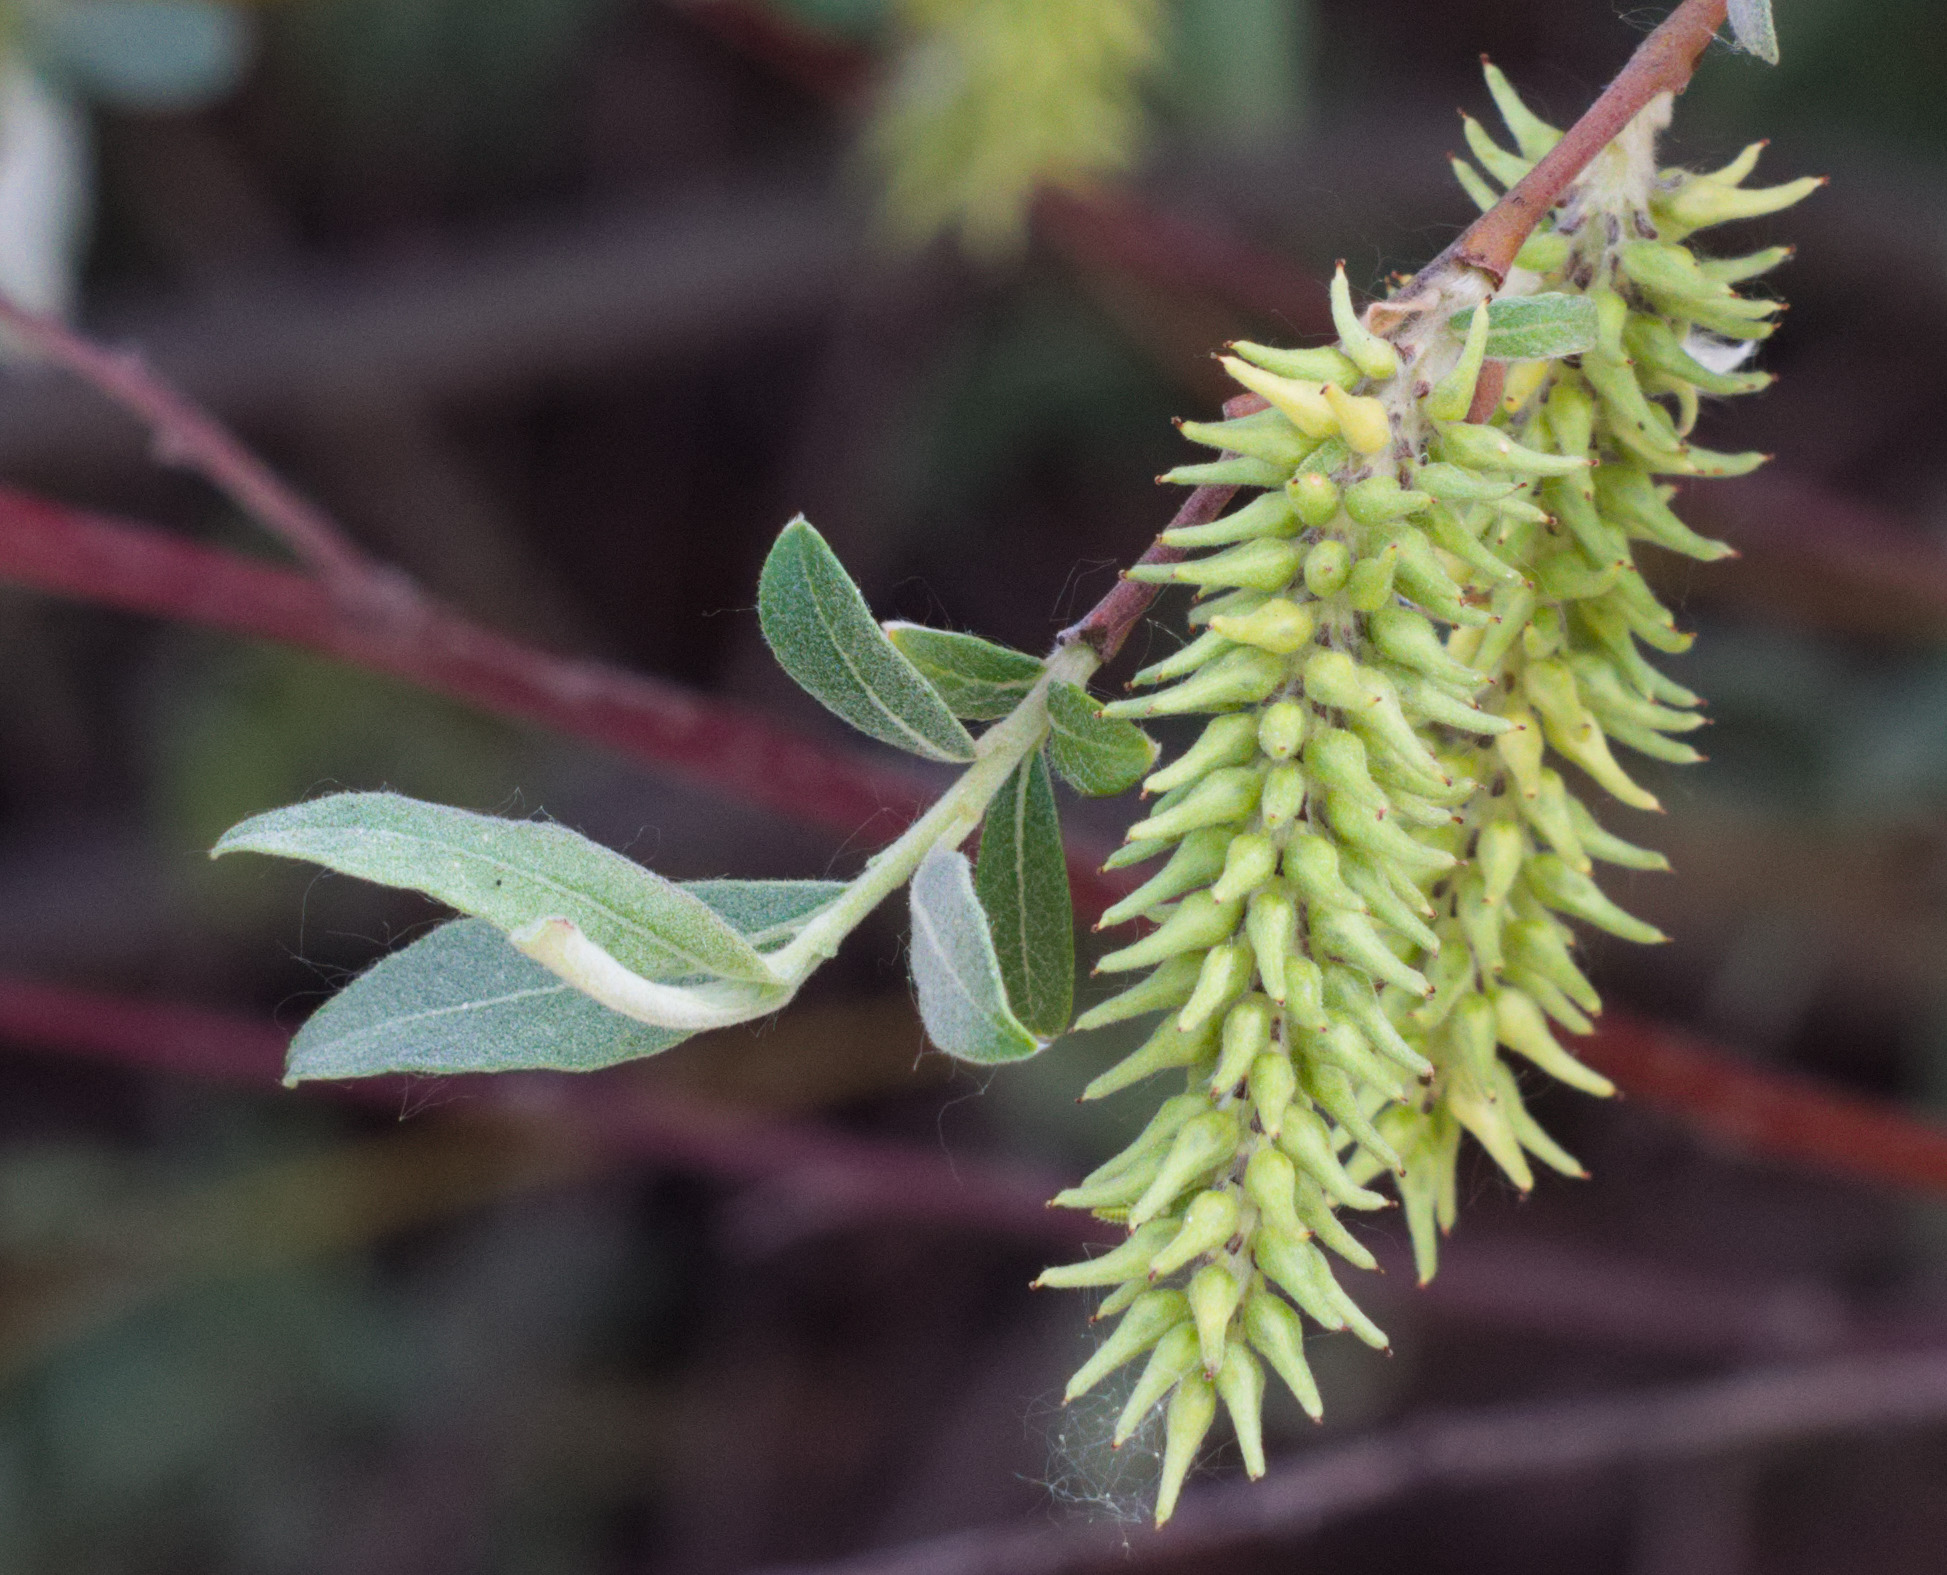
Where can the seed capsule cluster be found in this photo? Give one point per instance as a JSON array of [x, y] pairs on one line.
[[1370, 855]]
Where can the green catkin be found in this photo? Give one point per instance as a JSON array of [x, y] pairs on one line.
[[1374, 861]]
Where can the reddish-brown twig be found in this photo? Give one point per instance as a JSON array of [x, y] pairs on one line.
[[1454, 1452], [1790, 1119], [1662, 63], [1764, 1111], [185, 434]]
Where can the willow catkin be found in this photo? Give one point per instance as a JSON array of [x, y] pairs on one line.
[[1370, 858]]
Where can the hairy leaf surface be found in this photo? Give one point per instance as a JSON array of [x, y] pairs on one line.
[[979, 680], [825, 637], [1022, 882], [509, 872], [1535, 327], [962, 997], [1096, 755], [463, 1000], [1752, 26]]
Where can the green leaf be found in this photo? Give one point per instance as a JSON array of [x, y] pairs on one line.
[[1754, 30], [765, 912], [824, 636], [978, 680], [509, 872], [1022, 882], [1097, 755], [1535, 327], [463, 1000], [962, 997]]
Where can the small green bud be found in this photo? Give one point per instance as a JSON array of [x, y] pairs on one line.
[[1283, 797], [1229, 604], [1379, 500], [1311, 863], [1264, 435], [1279, 626], [1271, 925], [1185, 660], [1331, 1090], [1408, 637], [1541, 945], [1304, 991], [1150, 1316], [1523, 1029], [1350, 938], [1227, 741], [1498, 851], [1268, 514], [1131, 1258], [1240, 1383], [1453, 395], [1225, 975], [1319, 365], [1374, 356], [1174, 1359], [1271, 1083], [1568, 891], [1247, 1033], [1168, 1048], [1281, 728], [1192, 1409], [1549, 813], [1327, 566], [1315, 498], [1170, 985], [1351, 993], [1363, 421], [1249, 861], [1244, 677], [1213, 1294], [1373, 833], [1275, 1331], [1196, 922], [1609, 848], [1370, 584], [1210, 1221], [1264, 564], [1316, 1211], [1199, 859], [1306, 1139], [1489, 448], [1224, 795]]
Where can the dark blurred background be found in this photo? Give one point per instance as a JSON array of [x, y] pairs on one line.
[[565, 306]]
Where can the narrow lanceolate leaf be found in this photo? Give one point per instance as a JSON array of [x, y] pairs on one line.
[[510, 873], [1535, 327], [824, 636], [765, 912], [1097, 755], [978, 680], [1754, 30], [962, 997], [1022, 882], [464, 1000]]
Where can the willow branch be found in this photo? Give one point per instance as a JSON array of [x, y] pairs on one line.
[[1106, 625], [185, 434], [1462, 1451], [1662, 64]]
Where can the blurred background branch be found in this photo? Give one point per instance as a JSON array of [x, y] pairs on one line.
[[563, 306]]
